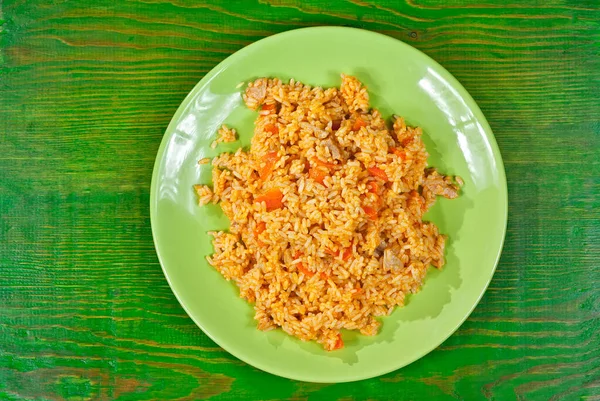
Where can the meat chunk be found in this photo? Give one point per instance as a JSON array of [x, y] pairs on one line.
[[334, 150], [318, 132], [379, 250], [391, 261], [440, 185], [256, 93]]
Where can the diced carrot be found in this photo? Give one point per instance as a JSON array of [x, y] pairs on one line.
[[370, 212], [260, 227], [304, 270], [377, 172], [346, 254], [272, 128], [300, 266], [373, 187], [321, 163], [398, 152], [317, 174], [324, 276], [269, 106], [272, 198], [268, 161], [358, 123], [406, 141], [379, 201], [339, 344]]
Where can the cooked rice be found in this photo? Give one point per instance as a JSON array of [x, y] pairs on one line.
[[205, 194], [326, 211], [225, 134], [206, 160]]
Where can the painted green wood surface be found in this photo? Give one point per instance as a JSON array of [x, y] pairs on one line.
[[86, 91]]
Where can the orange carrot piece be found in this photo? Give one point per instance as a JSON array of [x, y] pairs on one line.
[[406, 141], [300, 266], [269, 106], [269, 161], [272, 198], [339, 344], [398, 152], [377, 172], [358, 123], [346, 254], [317, 174], [370, 212], [321, 163], [260, 227], [272, 128], [373, 187], [324, 276], [304, 270]]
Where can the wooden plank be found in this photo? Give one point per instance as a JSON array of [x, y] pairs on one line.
[[86, 91]]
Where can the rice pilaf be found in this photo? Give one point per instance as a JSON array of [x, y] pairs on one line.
[[326, 211]]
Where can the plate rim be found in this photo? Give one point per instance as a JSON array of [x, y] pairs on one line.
[[206, 79]]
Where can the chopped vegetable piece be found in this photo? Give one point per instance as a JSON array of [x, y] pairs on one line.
[[346, 254], [324, 276], [269, 106], [317, 174], [373, 187], [358, 123], [406, 141], [269, 161], [300, 266], [398, 152], [321, 163], [377, 172], [304, 270], [272, 128], [260, 227], [339, 344], [370, 212], [272, 198]]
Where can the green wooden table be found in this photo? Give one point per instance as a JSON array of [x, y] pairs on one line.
[[86, 91]]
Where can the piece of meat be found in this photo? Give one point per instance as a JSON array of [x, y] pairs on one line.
[[379, 250], [319, 133], [256, 93], [334, 150], [391, 261], [440, 185]]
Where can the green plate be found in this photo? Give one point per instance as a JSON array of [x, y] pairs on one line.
[[401, 80]]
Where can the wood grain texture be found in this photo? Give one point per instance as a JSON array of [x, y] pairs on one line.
[[86, 91]]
